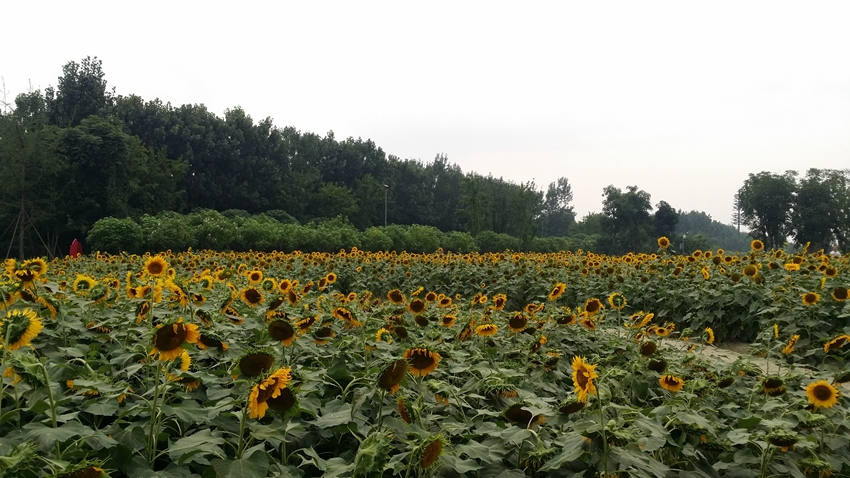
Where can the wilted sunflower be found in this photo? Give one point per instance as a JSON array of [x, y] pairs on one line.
[[169, 339], [822, 394], [283, 331], [395, 296], [657, 365], [648, 348], [839, 294], [811, 298], [520, 416], [789, 347], [773, 386], [518, 322], [583, 375], [671, 383], [392, 375], [208, 340], [557, 291], [757, 245], [593, 305], [710, 335], [431, 452], [87, 471], [346, 316], [305, 324], [268, 388], [422, 361], [19, 327], [617, 301], [486, 330], [255, 364], [836, 343], [155, 266]]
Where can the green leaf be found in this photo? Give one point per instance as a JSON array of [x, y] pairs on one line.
[[332, 419], [738, 436], [572, 448], [749, 423], [459, 465], [651, 443], [105, 407], [628, 457], [372, 455], [46, 437], [202, 442]]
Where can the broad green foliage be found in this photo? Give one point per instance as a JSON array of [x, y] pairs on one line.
[[358, 364]]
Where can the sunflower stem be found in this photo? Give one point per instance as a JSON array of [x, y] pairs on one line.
[[602, 430], [381, 410], [52, 404], [242, 441], [151, 445]]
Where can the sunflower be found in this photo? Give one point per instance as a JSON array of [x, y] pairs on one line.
[[346, 316], [836, 343], [331, 277], [571, 406], [518, 415], [323, 335], [255, 276], [839, 294], [822, 394], [448, 321], [671, 383], [588, 323], [416, 306], [518, 322], [268, 388], [710, 333], [255, 364], [251, 296], [789, 347], [431, 452], [663, 242], [155, 266], [648, 348], [486, 330], [83, 283], [211, 341], [617, 301], [393, 374], [431, 297], [557, 291], [757, 245], [659, 365], [445, 302], [401, 405], [379, 335], [395, 296], [811, 298], [283, 331], [18, 328], [422, 361], [593, 305], [169, 339], [305, 324], [88, 471], [499, 301], [583, 375]]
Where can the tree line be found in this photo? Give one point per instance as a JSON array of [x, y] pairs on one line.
[[78, 152]]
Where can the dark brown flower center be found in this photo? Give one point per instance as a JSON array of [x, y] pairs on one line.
[[170, 337], [822, 393]]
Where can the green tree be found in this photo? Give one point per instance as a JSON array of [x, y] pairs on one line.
[[557, 215], [767, 201], [821, 210], [80, 93], [626, 222], [665, 220]]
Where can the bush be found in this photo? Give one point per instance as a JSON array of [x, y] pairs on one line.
[[489, 241], [398, 234], [425, 239], [115, 235], [374, 240], [460, 242], [167, 230], [212, 230]]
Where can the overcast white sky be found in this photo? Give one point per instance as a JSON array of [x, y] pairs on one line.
[[682, 99]]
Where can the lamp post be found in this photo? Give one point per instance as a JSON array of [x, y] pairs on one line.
[[386, 188]]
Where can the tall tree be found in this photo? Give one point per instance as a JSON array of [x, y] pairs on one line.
[[665, 220], [821, 210], [80, 93], [626, 222], [767, 201], [557, 215]]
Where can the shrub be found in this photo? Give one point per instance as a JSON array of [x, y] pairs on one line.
[[115, 235], [489, 241], [460, 242]]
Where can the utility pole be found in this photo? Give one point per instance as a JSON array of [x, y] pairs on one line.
[[386, 188]]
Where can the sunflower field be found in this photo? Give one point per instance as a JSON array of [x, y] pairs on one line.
[[355, 364]]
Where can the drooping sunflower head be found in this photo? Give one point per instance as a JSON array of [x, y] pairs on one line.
[[709, 335], [519, 416], [517, 323], [499, 301], [156, 266], [416, 306], [255, 364], [19, 327], [169, 339], [282, 330], [648, 348], [486, 330], [392, 375], [659, 365], [266, 389], [773, 386], [822, 394], [836, 343], [448, 320], [430, 451], [422, 361], [251, 296], [617, 301], [83, 284]]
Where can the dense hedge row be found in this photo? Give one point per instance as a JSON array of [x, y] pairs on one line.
[[276, 230]]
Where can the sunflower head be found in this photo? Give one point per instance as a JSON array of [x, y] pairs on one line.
[[255, 364], [583, 375], [519, 416], [557, 291], [430, 451], [282, 330], [757, 245], [822, 394], [18, 328], [422, 361], [593, 305], [156, 266], [663, 242], [839, 294], [392, 375], [617, 301], [811, 298], [170, 337]]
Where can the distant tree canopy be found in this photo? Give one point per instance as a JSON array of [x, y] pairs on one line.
[[78, 153], [814, 209]]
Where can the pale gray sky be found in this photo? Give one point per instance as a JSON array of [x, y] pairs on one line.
[[682, 99]]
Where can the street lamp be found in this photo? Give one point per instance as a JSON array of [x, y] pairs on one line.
[[386, 188]]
